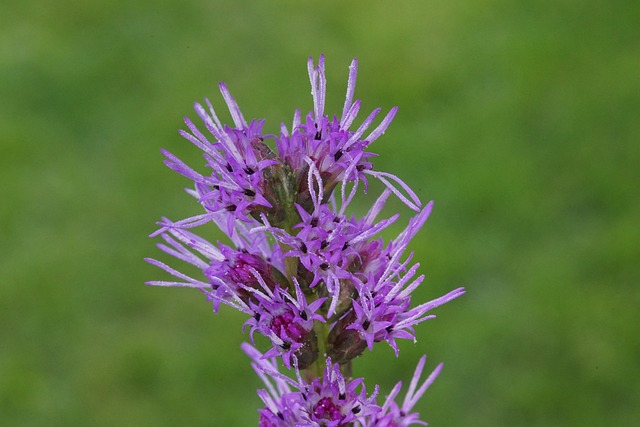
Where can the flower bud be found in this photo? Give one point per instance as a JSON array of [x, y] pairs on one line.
[[308, 353], [345, 344]]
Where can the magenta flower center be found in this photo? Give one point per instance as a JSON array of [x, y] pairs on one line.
[[326, 409], [285, 322]]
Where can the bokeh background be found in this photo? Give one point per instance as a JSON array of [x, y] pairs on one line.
[[521, 119]]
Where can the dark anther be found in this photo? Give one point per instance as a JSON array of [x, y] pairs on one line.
[[249, 171], [216, 187], [314, 222], [366, 324], [360, 168], [324, 266], [342, 396], [257, 317], [337, 156], [231, 208], [324, 244], [303, 248], [345, 246], [304, 316], [389, 329], [280, 415], [286, 345], [336, 219], [318, 136], [229, 168], [356, 409], [249, 192]]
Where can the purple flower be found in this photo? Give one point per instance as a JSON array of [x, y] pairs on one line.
[[288, 322], [381, 308], [333, 400], [329, 246], [227, 271], [247, 178], [330, 400], [315, 280], [337, 152], [237, 158]]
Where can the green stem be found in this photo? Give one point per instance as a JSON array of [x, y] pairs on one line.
[[316, 369], [290, 263]]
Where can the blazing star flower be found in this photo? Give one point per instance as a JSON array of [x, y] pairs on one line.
[[247, 178], [381, 308], [288, 322], [237, 159], [326, 242], [330, 401], [313, 279], [338, 153], [227, 271]]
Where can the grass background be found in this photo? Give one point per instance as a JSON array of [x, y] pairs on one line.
[[521, 119]]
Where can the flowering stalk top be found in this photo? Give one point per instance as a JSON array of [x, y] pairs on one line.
[[314, 280]]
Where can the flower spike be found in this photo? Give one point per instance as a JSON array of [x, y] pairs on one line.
[[317, 281]]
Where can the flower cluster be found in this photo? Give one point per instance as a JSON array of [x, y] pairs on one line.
[[318, 283], [332, 400]]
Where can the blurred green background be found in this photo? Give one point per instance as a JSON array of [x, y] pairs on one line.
[[521, 119]]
